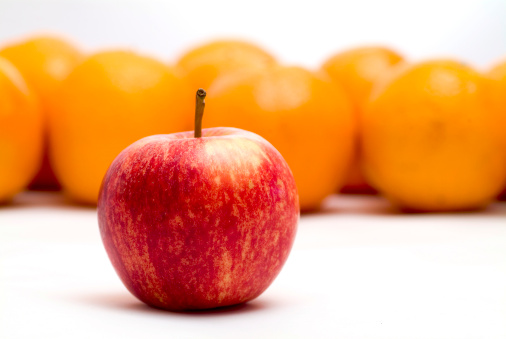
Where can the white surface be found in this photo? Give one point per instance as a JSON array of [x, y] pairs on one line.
[[357, 270], [297, 32]]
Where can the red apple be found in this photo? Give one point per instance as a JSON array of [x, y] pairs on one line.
[[198, 222]]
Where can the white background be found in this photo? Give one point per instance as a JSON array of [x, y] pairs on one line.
[[297, 32]]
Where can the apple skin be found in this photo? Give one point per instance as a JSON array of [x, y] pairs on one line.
[[196, 223]]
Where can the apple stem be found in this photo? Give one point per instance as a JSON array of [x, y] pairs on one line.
[[199, 111]]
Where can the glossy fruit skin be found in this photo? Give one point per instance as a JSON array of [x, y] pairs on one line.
[[21, 128], [205, 63], [44, 62], [106, 103], [432, 139], [306, 117], [196, 223], [358, 70]]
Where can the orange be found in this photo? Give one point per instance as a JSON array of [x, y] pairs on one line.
[[20, 132], [432, 139], [358, 70], [305, 116], [44, 62], [498, 73], [203, 64], [106, 103]]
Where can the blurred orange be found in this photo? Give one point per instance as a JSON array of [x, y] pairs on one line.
[[432, 139], [44, 62], [21, 132], [106, 103], [307, 118], [498, 73], [203, 64], [357, 70]]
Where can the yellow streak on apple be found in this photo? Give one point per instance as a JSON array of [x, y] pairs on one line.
[[137, 261], [224, 267], [220, 147]]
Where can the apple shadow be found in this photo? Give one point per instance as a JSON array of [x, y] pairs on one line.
[[247, 307], [128, 303]]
